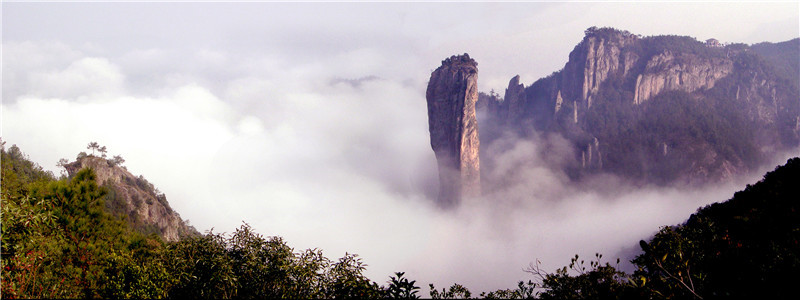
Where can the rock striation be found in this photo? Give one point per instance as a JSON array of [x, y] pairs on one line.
[[622, 99], [513, 97], [137, 200], [599, 57], [687, 72], [451, 96]]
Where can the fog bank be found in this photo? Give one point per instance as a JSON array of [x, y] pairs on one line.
[[309, 121]]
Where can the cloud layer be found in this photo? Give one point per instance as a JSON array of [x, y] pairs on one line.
[[309, 121]]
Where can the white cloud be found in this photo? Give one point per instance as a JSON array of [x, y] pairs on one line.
[[24, 59], [344, 170], [252, 114], [171, 140], [85, 77]]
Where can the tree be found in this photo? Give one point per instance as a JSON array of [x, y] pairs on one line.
[[263, 266], [93, 146], [748, 246], [58, 241], [668, 265], [117, 160], [400, 287], [201, 267], [346, 279], [456, 291], [524, 290], [103, 151], [56, 236], [598, 281], [63, 164]]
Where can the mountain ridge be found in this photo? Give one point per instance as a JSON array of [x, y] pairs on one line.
[[741, 102], [134, 198]]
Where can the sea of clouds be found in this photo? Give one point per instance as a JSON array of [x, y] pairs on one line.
[[315, 129]]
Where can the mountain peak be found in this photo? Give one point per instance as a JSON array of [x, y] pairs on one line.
[[451, 96], [460, 61], [679, 105], [133, 198]]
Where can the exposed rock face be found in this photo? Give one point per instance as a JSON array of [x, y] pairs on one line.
[[591, 157], [665, 72], [514, 97], [452, 93], [594, 60], [138, 199], [717, 111]]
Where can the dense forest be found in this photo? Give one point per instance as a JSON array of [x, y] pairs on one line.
[[59, 240]]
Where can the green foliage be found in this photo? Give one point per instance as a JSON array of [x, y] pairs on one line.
[[132, 277], [782, 57], [247, 265], [729, 126], [58, 241], [201, 268], [654, 45], [746, 247], [668, 266], [347, 279], [524, 290], [597, 282], [81, 155], [264, 267], [456, 291], [634, 139], [401, 288], [605, 33], [117, 160], [56, 237], [94, 146], [19, 174], [114, 204]]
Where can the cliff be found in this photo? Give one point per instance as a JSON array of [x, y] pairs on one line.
[[451, 95], [665, 72], [134, 199], [660, 109], [600, 56]]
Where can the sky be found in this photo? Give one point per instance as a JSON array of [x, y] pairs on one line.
[[308, 120]]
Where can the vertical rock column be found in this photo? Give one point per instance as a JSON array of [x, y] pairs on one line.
[[451, 95]]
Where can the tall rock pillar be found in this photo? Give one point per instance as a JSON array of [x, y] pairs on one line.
[[452, 93]]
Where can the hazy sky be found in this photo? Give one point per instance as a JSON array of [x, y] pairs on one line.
[[308, 120]]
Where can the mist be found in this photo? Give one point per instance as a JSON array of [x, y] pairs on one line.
[[267, 119]]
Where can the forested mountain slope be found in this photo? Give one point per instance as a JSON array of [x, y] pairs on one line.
[[659, 109]]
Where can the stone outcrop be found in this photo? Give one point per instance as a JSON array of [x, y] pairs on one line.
[[605, 100], [591, 157], [451, 95], [597, 58], [559, 103], [686, 72], [143, 206], [514, 97]]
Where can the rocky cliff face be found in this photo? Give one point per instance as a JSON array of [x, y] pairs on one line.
[[451, 95], [133, 197], [514, 96], [688, 72], [597, 58], [621, 99]]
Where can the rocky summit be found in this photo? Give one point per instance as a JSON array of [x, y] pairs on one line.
[[134, 198], [659, 109], [451, 95]]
